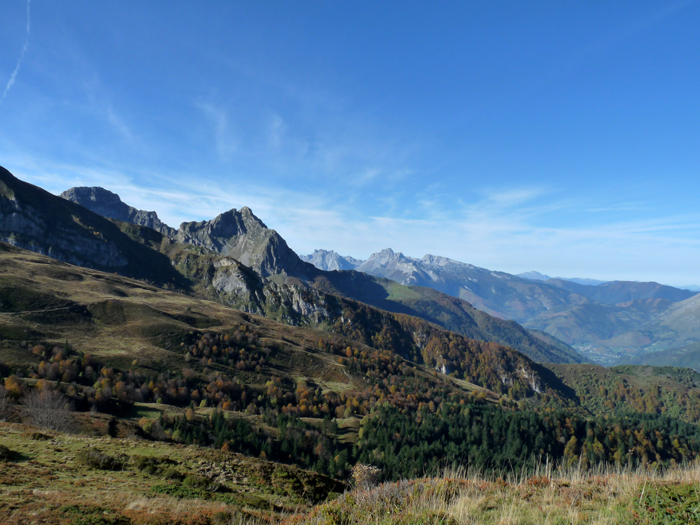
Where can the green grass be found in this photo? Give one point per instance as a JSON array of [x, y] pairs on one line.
[[398, 292], [47, 478]]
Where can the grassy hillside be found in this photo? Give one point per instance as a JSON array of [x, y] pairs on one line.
[[111, 343], [173, 371], [111, 316], [551, 497], [53, 477]]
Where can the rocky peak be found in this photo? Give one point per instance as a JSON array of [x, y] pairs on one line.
[[243, 236], [108, 204], [386, 253], [329, 260], [34, 219], [385, 259], [236, 233]]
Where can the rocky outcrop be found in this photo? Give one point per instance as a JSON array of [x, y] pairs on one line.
[[238, 234], [24, 223], [241, 235], [108, 204]]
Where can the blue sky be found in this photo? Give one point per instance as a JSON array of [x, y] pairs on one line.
[[562, 137]]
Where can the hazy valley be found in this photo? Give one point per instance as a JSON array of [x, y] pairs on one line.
[[608, 322]]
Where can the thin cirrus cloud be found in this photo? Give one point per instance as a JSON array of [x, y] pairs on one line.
[[226, 143], [25, 47], [488, 233]]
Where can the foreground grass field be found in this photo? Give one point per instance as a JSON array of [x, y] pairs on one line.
[[49, 477], [549, 498]]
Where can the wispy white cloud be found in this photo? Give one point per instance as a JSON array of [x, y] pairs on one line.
[[509, 230], [276, 131], [225, 141], [118, 123], [25, 47]]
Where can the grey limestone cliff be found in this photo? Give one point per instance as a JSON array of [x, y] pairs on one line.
[[241, 235], [62, 234], [34, 219], [108, 204]]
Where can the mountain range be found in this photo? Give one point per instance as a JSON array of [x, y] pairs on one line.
[[537, 276], [236, 260], [603, 320]]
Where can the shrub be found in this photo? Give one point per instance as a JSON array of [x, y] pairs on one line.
[[365, 477], [88, 515], [98, 460], [171, 473], [5, 453], [47, 409], [197, 482]]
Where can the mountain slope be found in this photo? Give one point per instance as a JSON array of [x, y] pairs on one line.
[[496, 293], [616, 292], [686, 357], [603, 321], [34, 219], [120, 319], [537, 276], [673, 392]]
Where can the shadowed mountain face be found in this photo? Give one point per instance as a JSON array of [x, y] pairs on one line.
[[292, 290], [108, 204], [34, 219]]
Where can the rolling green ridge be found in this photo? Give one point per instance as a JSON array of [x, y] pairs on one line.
[[667, 391]]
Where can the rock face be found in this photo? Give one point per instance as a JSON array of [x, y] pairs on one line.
[[241, 235], [236, 233], [36, 220], [328, 260], [62, 234], [108, 204]]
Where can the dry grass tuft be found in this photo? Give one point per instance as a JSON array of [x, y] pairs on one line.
[[550, 496]]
